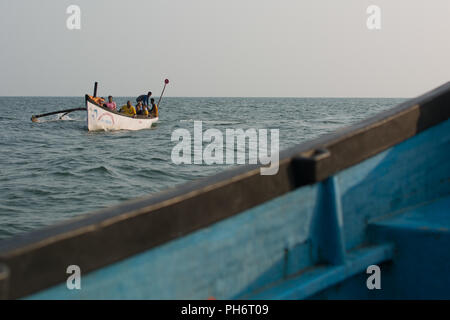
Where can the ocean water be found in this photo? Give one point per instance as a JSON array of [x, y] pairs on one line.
[[55, 169]]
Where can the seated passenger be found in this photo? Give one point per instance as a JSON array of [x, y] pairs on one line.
[[129, 110], [141, 110], [138, 107], [98, 100], [154, 110], [111, 105], [145, 111]]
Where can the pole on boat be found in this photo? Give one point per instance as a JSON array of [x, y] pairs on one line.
[[166, 82], [95, 89]]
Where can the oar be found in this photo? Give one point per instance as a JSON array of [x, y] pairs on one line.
[[166, 82], [66, 111]]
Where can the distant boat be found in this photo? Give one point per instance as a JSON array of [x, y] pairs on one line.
[[363, 213], [102, 118]]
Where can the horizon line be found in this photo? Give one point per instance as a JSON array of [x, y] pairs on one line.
[[222, 97]]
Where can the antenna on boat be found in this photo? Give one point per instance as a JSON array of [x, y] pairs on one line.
[[95, 89], [166, 82]]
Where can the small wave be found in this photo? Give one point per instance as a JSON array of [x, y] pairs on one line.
[[37, 192], [64, 174], [224, 122], [58, 117], [47, 120], [9, 209], [100, 169], [67, 118], [216, 122]]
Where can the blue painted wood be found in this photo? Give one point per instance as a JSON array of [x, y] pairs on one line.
[[227, 259], [270, 244], [322, 277], [421, 266], [413, 172], [327, 233]]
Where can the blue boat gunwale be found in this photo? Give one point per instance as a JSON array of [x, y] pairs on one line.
[[35, 260]]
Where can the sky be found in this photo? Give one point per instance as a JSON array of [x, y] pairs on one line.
[[237, 48]]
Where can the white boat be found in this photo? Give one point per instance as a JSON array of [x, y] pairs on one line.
[[102, 118]]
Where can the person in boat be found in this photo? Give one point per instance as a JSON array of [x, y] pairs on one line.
[[144, 98], [154, 110], [141, 110], [128, 109], [98, 100], [111, 105]]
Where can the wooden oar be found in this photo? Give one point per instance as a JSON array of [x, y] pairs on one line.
[[66, 111]]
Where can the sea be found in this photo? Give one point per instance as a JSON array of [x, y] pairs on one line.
[[55, 169]]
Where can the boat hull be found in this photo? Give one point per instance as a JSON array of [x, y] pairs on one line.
[[367, 219], [101, 119]]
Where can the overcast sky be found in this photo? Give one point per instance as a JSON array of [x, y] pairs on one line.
[[292, 48]]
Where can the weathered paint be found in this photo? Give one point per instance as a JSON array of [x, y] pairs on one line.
[[272, 250]]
